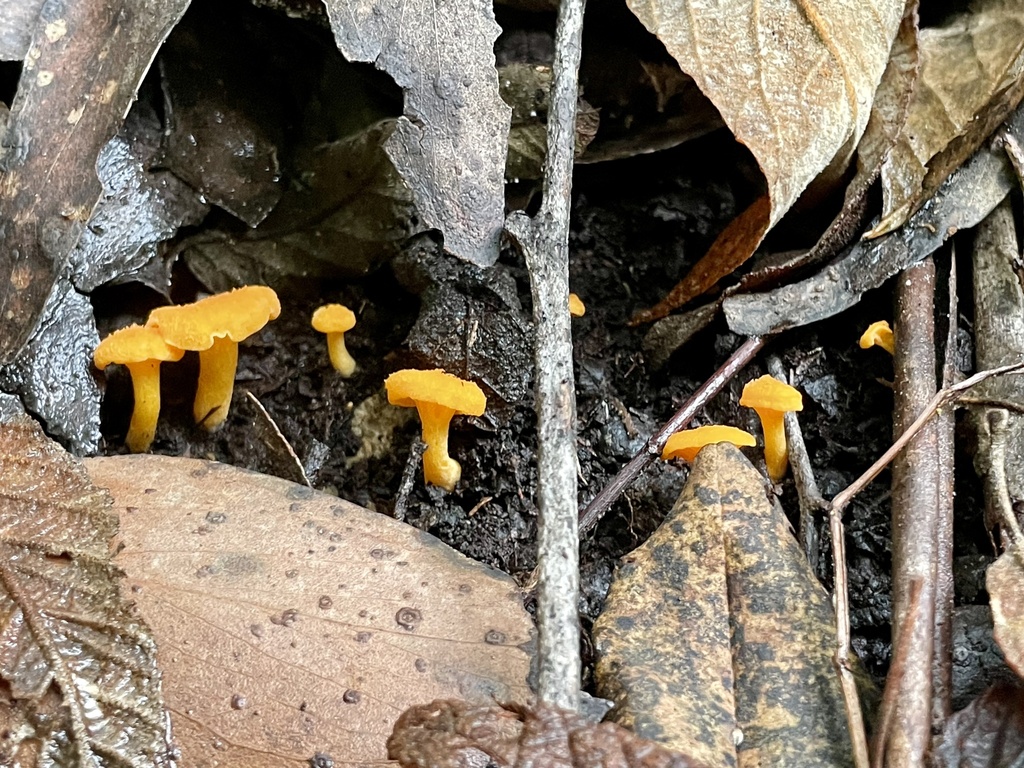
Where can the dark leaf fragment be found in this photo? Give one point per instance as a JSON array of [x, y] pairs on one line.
[[988, 734], [456, 734]]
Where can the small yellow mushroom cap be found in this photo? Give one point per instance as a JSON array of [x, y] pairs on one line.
[[878, 334], [235, 315], [687, 444], [769, 394], [334, 318], [409, 387], [576, 306], [134, 344]]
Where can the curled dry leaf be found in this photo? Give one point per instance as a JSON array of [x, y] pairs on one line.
[[450, 146], [716, 639], [455, 734], [970, 80], [794, 86], [63, 623], [1005, 583], [293, 624], [989, 733]]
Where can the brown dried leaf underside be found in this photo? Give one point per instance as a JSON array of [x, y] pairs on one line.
[[454, 734], [62, 618]]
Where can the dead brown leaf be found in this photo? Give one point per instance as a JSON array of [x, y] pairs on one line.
[[716, 639], [989, 733], [793, 83], [454, 734], [972, 77], [1005, 583], [63, 622], [291, 623]]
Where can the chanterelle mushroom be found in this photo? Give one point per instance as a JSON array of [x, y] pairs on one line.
[[437, 396], [772, 399], [687, 444], [140, 350], [213, 327], [336, 320]]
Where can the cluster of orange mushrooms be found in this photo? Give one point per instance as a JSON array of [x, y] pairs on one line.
[[214, 326]]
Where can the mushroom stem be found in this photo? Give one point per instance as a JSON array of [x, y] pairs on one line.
[[146, 388], [216, 382], [776, 453], [439, 468], [342, 361]]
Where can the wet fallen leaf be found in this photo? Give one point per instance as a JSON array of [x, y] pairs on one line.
[[972, 77], [795, 87], [1005, 583], [87, 62], [962, 202], [716, 639], [64, 626], [454, 734], [352, 215], [450, 146], [989, 733], [291, 623]]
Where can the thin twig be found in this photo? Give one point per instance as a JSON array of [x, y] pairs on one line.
[[544, 242], [942, 398], [841, 658], [651, 450], [808, 496]]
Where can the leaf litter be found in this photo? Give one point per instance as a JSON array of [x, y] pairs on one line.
[[320, 620], [66, 624]]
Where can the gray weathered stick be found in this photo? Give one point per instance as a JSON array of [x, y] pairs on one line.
[[545, 245]]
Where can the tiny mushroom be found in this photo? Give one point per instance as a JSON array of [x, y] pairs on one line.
[[335, 320], [576, 306], [772, 399], [140, 350], [878, 334], [686, 445], [213, 327], [437, 396]]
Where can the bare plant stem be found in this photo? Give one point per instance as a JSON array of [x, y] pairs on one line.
[[593, 512], [544, 242]]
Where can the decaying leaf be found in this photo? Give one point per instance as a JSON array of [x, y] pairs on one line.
[[291, 623], [716, 639], [970, 80], [795, 86], [988, 734], [63, 622], [81, 74], [352, 215], [450, 146], [1005, 583], [963, 200], [454, 734]]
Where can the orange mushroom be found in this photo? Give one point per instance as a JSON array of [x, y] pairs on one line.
[[576, 306], [335, 320], [878, 334], [772, 399], [213, 327], [140, 350], [686, 445], [438, 396]]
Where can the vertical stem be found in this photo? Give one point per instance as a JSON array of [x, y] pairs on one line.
[[545, 245], [915, 509]]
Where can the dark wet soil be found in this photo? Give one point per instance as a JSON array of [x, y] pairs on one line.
[[638, 225]]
